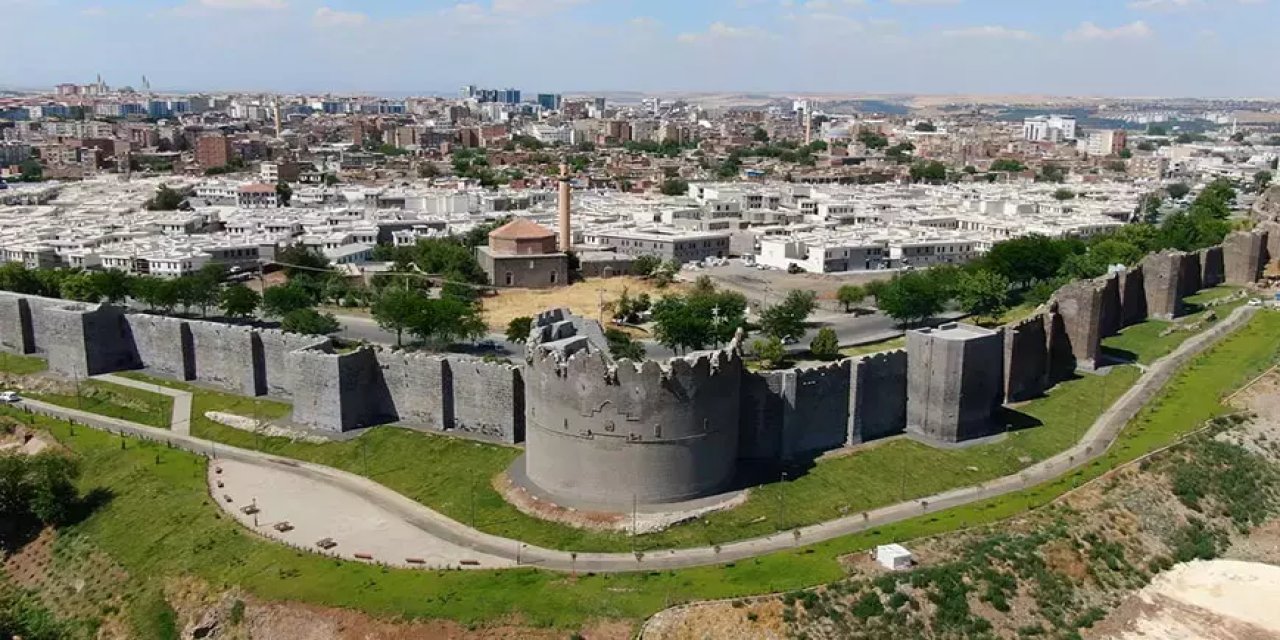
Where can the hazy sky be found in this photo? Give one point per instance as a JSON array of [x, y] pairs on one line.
[[1104, 47]]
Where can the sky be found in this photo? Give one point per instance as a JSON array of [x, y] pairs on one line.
[[1185, 48]]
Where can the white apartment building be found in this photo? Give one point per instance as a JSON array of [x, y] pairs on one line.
[[1049, 128], [1105, 143]]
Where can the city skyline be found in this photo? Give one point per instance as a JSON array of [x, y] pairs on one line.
[[1138, 48]]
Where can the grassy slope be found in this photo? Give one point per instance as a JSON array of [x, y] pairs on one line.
[[1144, 341], [107, 399], [447, 474], [22, 365], [193, 537]]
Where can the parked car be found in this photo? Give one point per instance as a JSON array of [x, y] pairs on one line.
[[9, 397]]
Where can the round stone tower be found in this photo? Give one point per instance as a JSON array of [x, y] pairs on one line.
[[605, 434]]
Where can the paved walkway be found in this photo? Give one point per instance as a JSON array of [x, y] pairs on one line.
[[1094, 444], [180, 421]]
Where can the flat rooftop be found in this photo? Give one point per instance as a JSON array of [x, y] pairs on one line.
[[957, 331]]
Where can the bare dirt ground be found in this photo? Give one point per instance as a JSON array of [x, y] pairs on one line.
[[582, 298], [641, 522], [1215, 600]]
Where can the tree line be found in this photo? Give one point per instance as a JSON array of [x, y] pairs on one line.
[[1029, 269]]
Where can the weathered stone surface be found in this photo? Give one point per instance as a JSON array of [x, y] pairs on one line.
[[338, 391], [1212, 269], [227, 356], [488, 399], [879, 402], [1082, 306], [164, 345], [1133, 297], [1026, 359], [955, 382], [1244, 254], [275, 370], [15, 324], [1161, 273], [602, 433], [86, 340]]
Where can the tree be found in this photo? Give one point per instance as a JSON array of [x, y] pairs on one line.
[[1064, 194], [706, 316], [17, 278], [786, 319], [1126, 153], [675, 187], [309, 322], [926, 127], [284, 193], [449, 258], [929, 171], [79, 287], [330, 180], [849, 295], [1050, 172], [1027, 259], [1146, 145], [156, 293], [1177, 190], [760, 135], [646, 265], [198, 290], [1261, 179], [280, 301], [873, 140], [622, 346], [770, 351], [165, 199], [445, 320], [1008, 165], [112, 285], [30, 170], [397, 309], [911, 297], [1157, 130], [518, 329], [427, 170], [826, 345], [984, 293], [239, 301]]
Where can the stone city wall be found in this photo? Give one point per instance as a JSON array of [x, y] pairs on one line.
[[1026, 359], [164, 345], [1245, 255], [879, 400], [488, 399], [1212, 269]]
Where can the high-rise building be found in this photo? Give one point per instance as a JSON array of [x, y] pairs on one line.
[[549, 101]]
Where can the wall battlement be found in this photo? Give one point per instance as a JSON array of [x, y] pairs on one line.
[[601, 431]]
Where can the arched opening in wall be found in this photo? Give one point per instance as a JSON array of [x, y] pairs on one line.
[[510, 279]]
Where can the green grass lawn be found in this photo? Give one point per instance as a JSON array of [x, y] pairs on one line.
[[193, 537], [1143, 340], [891, 344], [125, 403], [21, 365], [450, 474]]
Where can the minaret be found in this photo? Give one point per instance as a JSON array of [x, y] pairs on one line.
[[808, 126], [566, 229], [276, 104]]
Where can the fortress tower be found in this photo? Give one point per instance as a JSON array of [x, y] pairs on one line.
[[955, 375], [604, 434]]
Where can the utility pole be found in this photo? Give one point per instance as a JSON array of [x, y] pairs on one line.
[[782, 499]]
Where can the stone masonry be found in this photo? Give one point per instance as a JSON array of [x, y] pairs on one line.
[[954, 381]]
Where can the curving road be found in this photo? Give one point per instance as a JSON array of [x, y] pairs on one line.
[[1094, 444]]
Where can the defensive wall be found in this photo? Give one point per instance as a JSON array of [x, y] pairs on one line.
[[604, 432]]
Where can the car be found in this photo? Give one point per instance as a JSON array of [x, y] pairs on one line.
[[1254, 302], [790, 340], [9, 397]]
